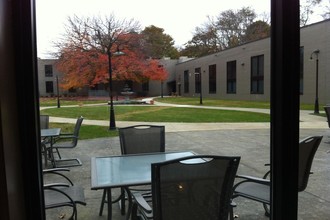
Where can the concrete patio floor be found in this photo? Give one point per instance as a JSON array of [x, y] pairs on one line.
[[251, 144]]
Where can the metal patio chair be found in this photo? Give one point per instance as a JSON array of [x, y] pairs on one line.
[[44, 121], [64, 194], [258, 189], [44, 124], [138, 139], [68, 141], [191, 188]]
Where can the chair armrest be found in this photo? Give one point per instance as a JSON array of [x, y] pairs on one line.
[[253, 179], [60, 192], [141, 202], [46, 186], [56, 171], [51, 170], [64, 136]]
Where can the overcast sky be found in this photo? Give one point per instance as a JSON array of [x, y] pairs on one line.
[[178, 18]]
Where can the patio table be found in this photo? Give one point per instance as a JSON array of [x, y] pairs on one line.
[[125, 171]]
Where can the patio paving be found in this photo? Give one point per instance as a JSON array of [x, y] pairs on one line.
[[251, 141], [252, 144]]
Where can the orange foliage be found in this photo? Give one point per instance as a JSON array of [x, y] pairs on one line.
[[90, 67]]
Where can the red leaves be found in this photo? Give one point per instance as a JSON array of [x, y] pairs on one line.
[[90, 67]]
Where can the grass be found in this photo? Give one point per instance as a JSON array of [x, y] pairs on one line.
[[153, 113], [45, 102], [158, 114], [86, 131]]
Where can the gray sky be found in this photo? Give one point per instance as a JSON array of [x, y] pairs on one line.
[[178, 18]]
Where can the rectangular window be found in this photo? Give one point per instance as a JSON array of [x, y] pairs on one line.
[[186, 81], [49, 87], [145, 86], [198, 80], [231, 77], [212, 79], [301, 89], [257, 74], [72, 90], [49, 70]]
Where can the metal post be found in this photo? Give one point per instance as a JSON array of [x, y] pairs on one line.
[[200, 88], [162, 87], [58, 93], [112, 124], [316, 105]]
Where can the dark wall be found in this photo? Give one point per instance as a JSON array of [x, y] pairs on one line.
[[21, 194]]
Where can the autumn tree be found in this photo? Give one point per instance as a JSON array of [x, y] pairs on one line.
[[230, 28], [157, 44], [326, 13], [205, 41], [255, 31], [84, 52], [306, 10]]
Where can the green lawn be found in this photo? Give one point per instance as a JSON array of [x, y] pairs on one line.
[[157, 114], [153, 113]]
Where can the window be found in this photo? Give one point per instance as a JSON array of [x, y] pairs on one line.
[[49, 70], [49, 87], [186, 81], [72, 90], [198, 80], [213, 78], [301, 89], [145, 86], [231, 77], [257, 74]]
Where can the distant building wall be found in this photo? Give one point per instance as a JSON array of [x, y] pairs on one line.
[[239, 73], [248, 85]]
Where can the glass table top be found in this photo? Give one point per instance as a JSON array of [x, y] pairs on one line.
[[127, 170]]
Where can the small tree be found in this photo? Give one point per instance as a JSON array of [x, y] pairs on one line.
[[85, 49]]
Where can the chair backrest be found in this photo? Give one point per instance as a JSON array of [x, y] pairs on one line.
[[76, 130], [327, 112], [193, 188], [142, 139], [44, 121], [307, 149]]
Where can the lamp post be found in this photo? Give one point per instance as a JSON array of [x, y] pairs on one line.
[[162, 87], [200, 88], [179, 86], [58, 93], [316, 105], [112, 124]]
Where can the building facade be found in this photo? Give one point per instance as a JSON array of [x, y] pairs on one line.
[[243, 72], [239, 73]]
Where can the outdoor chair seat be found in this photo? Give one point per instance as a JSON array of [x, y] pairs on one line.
[[62, 194], [258, 189]]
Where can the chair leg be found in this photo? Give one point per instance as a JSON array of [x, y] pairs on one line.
[[58, 153], [122, 201], [121, 198], [134, 212]]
